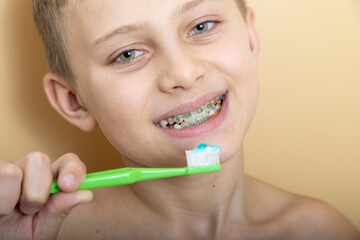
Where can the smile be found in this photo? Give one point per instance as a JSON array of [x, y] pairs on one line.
[[196, 117]]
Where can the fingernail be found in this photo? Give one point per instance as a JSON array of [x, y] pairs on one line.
[[86, 195], [69, 180], [29, 210]]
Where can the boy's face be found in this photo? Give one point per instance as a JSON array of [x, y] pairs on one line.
[[137, 62]]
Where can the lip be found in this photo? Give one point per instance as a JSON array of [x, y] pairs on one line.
[[190, 106], [205, 127]]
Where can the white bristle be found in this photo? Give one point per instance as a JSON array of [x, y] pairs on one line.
[[197, 159]]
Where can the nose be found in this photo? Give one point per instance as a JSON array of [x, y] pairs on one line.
[[182, 68]]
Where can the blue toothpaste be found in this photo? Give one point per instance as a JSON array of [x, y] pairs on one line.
[[203, 155], [206, 148]]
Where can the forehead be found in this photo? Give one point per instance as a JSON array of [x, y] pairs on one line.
[[132, 7], [100, 16]]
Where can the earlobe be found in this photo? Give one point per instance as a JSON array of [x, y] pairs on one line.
[[253, 35], [67, 103]]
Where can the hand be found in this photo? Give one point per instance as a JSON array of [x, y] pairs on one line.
[[27, 210]]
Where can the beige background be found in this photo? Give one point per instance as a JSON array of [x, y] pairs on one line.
[[305, 137]]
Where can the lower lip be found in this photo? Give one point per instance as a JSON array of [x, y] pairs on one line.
[[205, 127]]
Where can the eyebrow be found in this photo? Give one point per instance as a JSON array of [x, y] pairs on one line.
[[146, 26], [123, 30]]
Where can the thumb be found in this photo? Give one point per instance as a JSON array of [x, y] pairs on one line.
[[52, 215]]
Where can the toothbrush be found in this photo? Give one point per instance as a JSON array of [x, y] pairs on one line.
[[203, 159]]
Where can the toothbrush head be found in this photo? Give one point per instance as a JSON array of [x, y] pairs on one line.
[[203, 155]]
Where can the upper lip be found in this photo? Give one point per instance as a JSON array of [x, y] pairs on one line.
[[190, 106]]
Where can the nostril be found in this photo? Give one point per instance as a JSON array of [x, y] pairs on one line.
[[177, 87]]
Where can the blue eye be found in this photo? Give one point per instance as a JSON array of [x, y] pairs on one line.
[[129, 55], [202, 27]]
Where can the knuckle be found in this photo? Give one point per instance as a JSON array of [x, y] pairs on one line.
[[73, 160], [71, 157], [10, 171], [37, 157]]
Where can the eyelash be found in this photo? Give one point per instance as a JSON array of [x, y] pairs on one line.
[[135, 51], [209, 21]]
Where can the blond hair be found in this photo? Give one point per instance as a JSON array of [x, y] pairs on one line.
[[48, 16]]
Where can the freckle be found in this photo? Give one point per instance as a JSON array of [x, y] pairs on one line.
[[97, 231], [213, 185]]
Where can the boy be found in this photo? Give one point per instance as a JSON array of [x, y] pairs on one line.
[[129, 67]]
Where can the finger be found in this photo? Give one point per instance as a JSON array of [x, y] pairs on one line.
[[10, 186], [36, 181], [71, 172], [56, 210]]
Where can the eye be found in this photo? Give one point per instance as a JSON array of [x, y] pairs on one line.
[[128, 56], [202, 27]]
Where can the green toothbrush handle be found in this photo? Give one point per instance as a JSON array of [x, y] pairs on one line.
[[130, 175], [99, 179]]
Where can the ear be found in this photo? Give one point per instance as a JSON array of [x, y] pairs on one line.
[[253, 35], [67, 103]]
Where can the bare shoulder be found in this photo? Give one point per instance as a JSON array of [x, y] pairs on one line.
[[319, 220], [291, 216]]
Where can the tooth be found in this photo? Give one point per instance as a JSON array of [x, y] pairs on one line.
[[178, 119], [163, 123], [198, 116], [190, 119], [188, 115], [217, 106], [171, 121]]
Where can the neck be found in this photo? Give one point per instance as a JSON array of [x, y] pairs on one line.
[[207, 196]]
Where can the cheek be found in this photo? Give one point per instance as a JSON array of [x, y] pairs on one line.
[[232, 53], [118, 98], [239, 66], [237, 62], [119, 103], [121, 109]]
